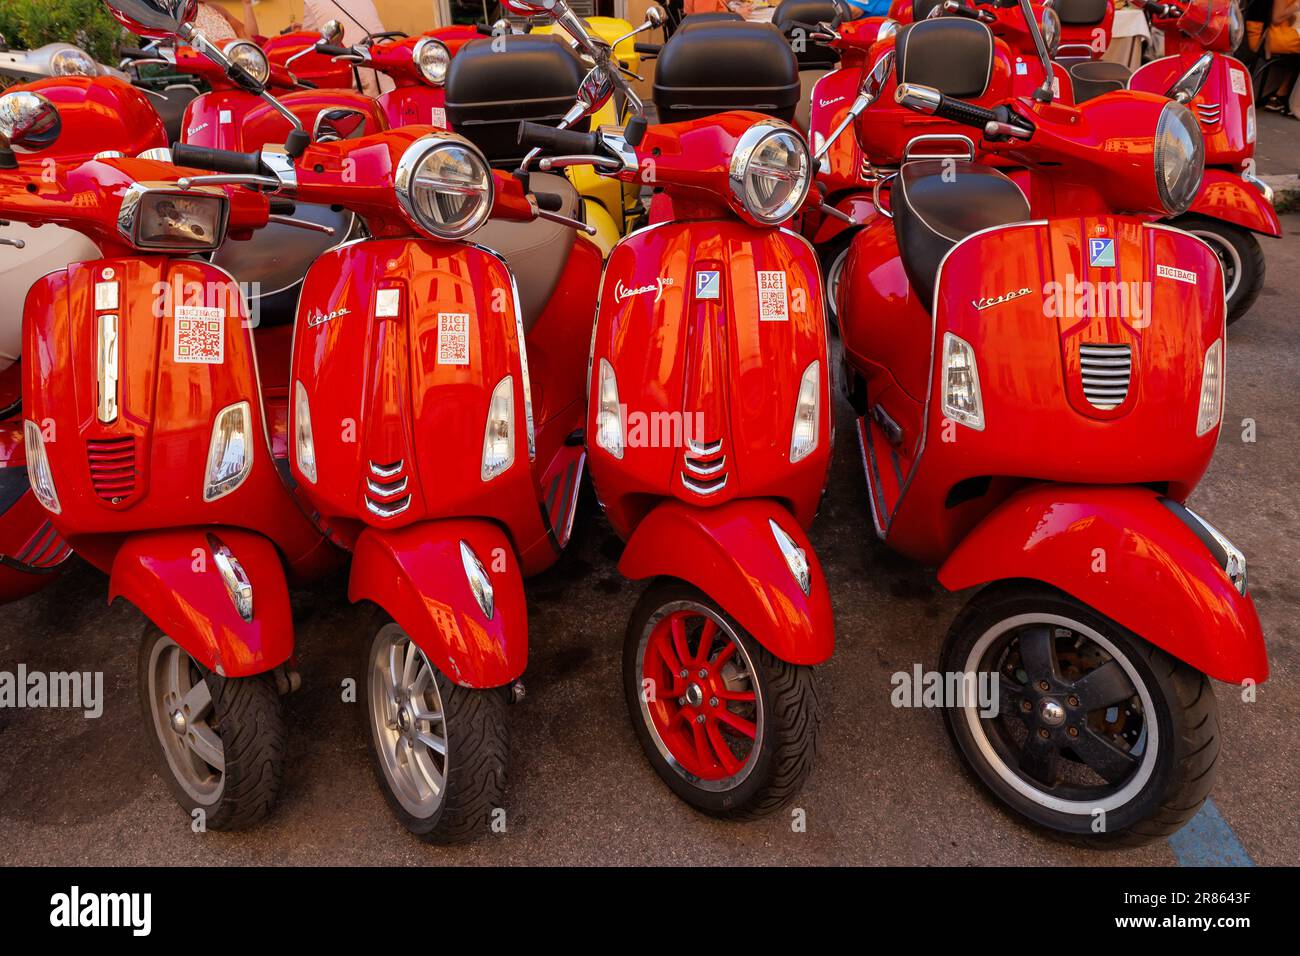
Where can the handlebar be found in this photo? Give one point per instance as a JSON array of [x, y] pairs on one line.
[[550, 139], [333, 49], [550, 202], [968, 11], [1000, 123], [218, 160], [648, 49]]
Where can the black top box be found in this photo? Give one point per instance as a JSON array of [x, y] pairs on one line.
[[712, 67]]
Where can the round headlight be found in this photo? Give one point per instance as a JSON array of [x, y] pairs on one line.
[[1179, 156], [1236, 26], [249, 56], [432, 59], [769, 172], [1051, 26], [445, 186], [73, 62]]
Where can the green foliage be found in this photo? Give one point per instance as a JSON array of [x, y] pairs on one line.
[[87, 23]]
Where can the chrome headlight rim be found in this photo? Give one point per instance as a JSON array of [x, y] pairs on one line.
[[405, 176], [1177, 203], [241, 52], [739, 168], [128, 216], [432, 77]]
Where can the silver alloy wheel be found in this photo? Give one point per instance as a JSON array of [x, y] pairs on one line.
[[180, 703], [833, 275], [408, 726], [740, 675], [1228, 258], [979, 734]]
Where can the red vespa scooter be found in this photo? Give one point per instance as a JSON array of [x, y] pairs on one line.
[[709, 433], [61, 121], [465, 400], [1037, 399]]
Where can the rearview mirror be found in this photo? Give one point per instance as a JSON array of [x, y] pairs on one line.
[[28, 120], [1189, 84], [596, 89], [874, 82], [332, 32], [153, 18], [335, 124]]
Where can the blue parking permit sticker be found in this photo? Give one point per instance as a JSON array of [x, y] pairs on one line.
[[1101, 252], [708, 284]]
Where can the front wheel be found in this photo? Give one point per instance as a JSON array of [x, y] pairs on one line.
[[439, 750], [1239, 254], [220, 740], [1087, 730], [833, 257], [729, 727]]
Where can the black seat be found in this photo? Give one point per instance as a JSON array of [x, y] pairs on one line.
[[1078, 13], [792, 15], [951, 54], [936, 205], [1092, 78], [710, 67], [921, 9]]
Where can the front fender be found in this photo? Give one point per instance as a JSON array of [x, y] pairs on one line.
[[172, 577], [731, 554], [418, 576], [1227, 196], [857, 206], [1124, 552]]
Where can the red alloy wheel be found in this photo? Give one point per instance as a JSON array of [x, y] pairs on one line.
[[700, 696]]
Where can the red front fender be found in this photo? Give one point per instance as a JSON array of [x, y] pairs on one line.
[[1227, 196], [172, 578], [857, 206], [417, 575], [1122, 551], [731, 554]]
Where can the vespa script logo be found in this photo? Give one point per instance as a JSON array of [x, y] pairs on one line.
[[622, 292], [988, 302], [320, 318], [824, 103]]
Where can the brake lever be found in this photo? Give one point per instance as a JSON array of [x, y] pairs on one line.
[[837, 214], [301, 224], [1004, 131], [566, 221], [230, 179], [547, 163]]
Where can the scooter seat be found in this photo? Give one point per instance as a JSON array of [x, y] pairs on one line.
[[536, 251], [1092, 78], [937, 203], [951, 54], [1075, 13]]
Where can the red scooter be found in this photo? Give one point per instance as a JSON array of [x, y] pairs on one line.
[[1233, 207], [61, 120], [709, 433], [1037, 398]]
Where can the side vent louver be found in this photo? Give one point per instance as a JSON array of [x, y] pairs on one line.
[[1106, 370]]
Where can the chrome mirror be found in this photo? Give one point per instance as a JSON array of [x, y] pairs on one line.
[[339, 123], [153, 18], [28, 120]]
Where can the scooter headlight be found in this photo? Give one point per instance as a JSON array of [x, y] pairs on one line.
[[807, 413], [431, 59], [961, 383], [888, 28], [1051, 27], [173, 220], [303, 444], [1236, 26], [444, 185], [769, 172], [38, 468], [1211, 407], [795, 558], [249, 56], [499, 435], [73, 61], [1179, 158], [230, 454], [609, 414]]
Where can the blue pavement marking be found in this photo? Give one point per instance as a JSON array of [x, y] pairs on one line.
[[1208, 841]]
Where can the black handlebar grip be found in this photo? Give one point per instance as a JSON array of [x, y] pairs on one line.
[[484, 29], [217, 160], [959, 111], [551, 202], [552, 140], [135, 53], [333, 49], [648, 49]]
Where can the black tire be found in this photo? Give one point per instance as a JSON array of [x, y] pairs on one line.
[[245, 714], [1232, 244], [832, 257], [787, 746], [477, 752], [1182, 770]]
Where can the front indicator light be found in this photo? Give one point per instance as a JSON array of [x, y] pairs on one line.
[[1234, 562], [230, 454], [795, 558], [961, 383], [39, 474], [803, 437], [1211, 407], [609, 415], [499, 435], [233, 576], [304, 446], [477, 576]]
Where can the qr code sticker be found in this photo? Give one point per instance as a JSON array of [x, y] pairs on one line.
[[439, 117], [453, 338], [1238, 78], [200, 335], [773, 303]]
